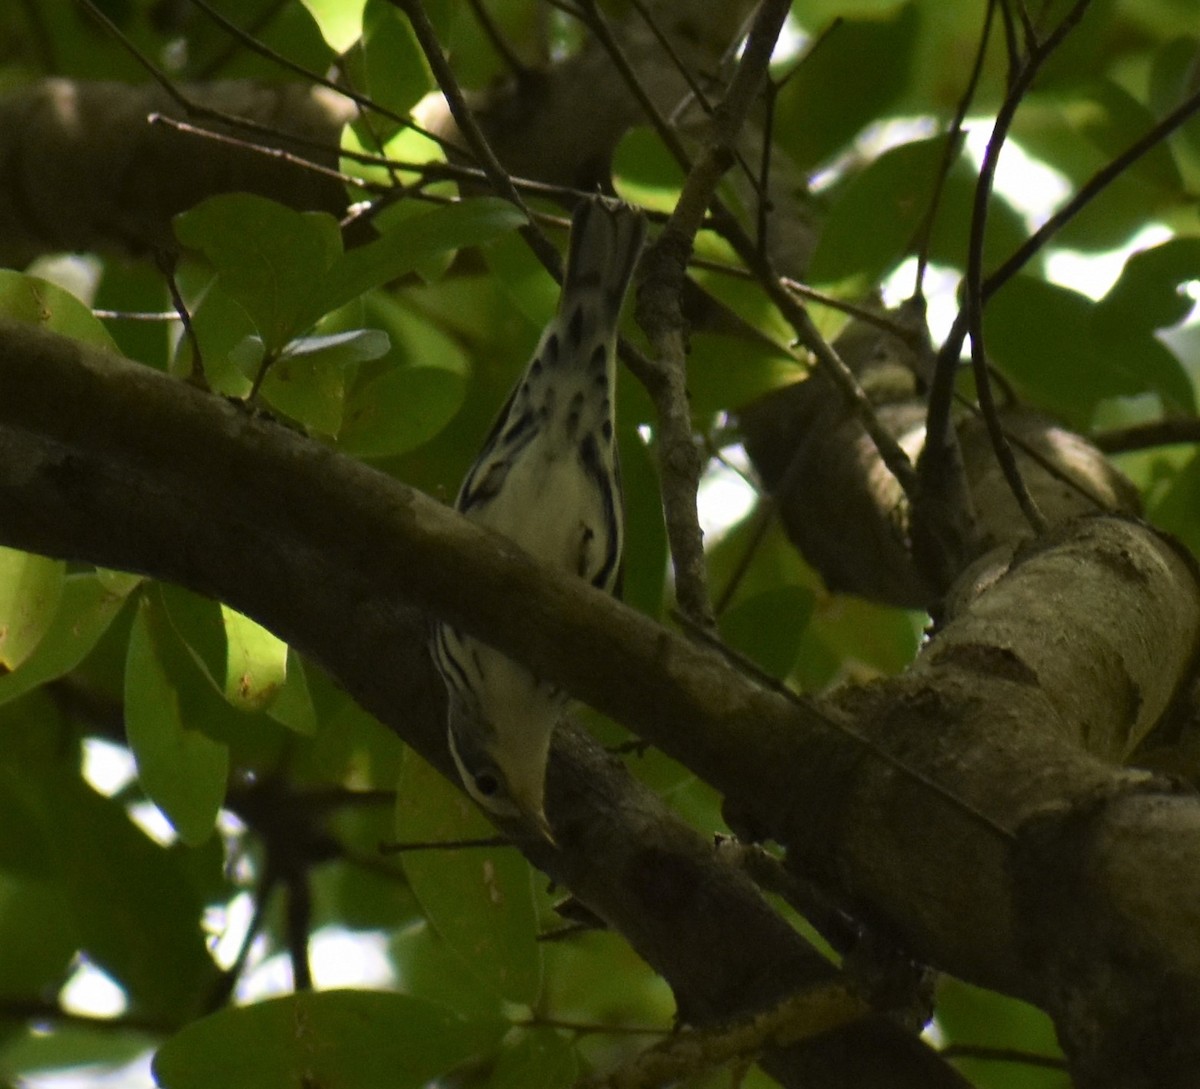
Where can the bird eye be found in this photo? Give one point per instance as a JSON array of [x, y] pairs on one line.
[[487, 783]]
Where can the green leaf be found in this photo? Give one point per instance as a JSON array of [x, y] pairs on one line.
[[398, 75], [540, 1059], [270, 259], [1172, 78], [362, 1039], [133, 905], [293, 706], [481, 900], [248, 355], [823, 105], [815, 14], [39, 302], [340, 21], [433, 970], [340, 349], [1049, 340], [726, 372], [1079, 132], [1149, 293], [987, 1019], [223, 329], [645, 533], [28, 907], [85, 610], [256, 662], [876, 216], [1176, 507], [401, 410], [183, 771], [30, 587], [418, 237], [307, 381], [307, 391], [200, 628], [647, 171], [768, 627], [1112, 119]]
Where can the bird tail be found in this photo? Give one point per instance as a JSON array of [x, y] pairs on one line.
[[606, 239]]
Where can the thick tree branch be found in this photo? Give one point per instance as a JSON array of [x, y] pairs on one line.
[[84, 169], [150, 474], [1087, 907]]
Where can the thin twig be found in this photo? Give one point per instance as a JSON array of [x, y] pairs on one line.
[[764, 517], [590, 1028], [1088, 192], [166, 264], [951, 150], [1002, 1055], [22, 1009], [286, 63], [594, 19], [229, 51], [798, 1017], [668, 47], [477, 143], [409, 846], [1146, 435], [484, 18], [970, 316], [660, 314]]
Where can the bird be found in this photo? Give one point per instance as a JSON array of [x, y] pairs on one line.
[[548, 477]]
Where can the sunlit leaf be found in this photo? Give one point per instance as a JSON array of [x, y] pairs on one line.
[[647, 172], [30, 587], [355, 1038], [340, 21], [308, 390], [39, 302], [990, 1020], [340, 349], [397, 72], [85, 609], [200, 628], [256, 663]]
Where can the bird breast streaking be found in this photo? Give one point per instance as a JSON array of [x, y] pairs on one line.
[[548, 478]]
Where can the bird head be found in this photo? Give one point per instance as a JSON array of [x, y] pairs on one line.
[[502, 766]]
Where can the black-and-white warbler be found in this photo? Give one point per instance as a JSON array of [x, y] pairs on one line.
[[548, 478]]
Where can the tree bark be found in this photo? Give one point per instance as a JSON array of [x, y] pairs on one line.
[[82, 167], [970, 809]]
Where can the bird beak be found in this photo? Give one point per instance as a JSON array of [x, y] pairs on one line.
[[534, 816], [538, 819]]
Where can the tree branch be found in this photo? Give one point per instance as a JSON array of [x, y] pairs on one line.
[[1087, 909]]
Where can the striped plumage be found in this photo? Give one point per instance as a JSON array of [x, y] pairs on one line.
[[548, 478]]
